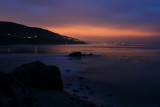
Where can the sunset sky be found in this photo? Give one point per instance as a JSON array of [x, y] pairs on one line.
[[82, 18]]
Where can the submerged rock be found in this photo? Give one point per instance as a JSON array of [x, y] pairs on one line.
[[38, 75]]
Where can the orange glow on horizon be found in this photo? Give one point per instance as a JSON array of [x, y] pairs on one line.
[[79, 31]]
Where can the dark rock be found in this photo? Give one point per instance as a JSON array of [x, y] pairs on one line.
[[9, 87], [69, 84], [81, 88], [81, 78], [68, 70], [5, 86], [91, 92], [76, 91], [85, 97], [38, 75], [77, 54], [90, 54], [109, 105], [72, 98], [29, 100], [88, 88], [92, 105]]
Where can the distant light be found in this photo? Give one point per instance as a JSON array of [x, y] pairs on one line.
[[35, 36], [29, 37], [9, 34]]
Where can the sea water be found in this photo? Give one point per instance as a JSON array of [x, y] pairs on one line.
[[116, 75]]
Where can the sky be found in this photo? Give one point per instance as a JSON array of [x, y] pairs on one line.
[[86, 18]]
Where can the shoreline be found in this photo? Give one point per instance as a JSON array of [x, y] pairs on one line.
[[117, 77]]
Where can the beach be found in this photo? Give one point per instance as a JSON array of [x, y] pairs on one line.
[[123, 76]]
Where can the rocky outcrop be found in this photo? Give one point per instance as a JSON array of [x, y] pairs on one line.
[[38, 75]]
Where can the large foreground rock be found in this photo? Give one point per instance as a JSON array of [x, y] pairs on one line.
[[23, 88], [38, 75], [5, 86]]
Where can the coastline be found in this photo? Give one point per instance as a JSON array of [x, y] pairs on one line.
[[111, 77]]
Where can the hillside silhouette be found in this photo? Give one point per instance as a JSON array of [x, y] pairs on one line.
[[13, 33]]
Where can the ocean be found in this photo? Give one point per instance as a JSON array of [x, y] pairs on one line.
[[115, 76]]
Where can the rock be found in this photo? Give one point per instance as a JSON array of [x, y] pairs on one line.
[[85, 97], [77, 54], [90, 54], [38, 75], [29, 101], [68, 70], [9, 87], [87, 87], [69, 84], [81, 78], [76, 91], [92, 105], [5, 86]]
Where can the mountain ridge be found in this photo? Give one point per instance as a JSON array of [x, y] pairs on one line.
[[13, 33]]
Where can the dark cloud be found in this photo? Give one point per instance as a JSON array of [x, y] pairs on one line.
[[143, 15]]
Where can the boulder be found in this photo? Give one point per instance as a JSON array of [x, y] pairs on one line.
[[9, 87], [77, 54], [90, 54], [5, 86], [38, 75]]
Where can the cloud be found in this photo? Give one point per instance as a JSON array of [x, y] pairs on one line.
[[140, 15]]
